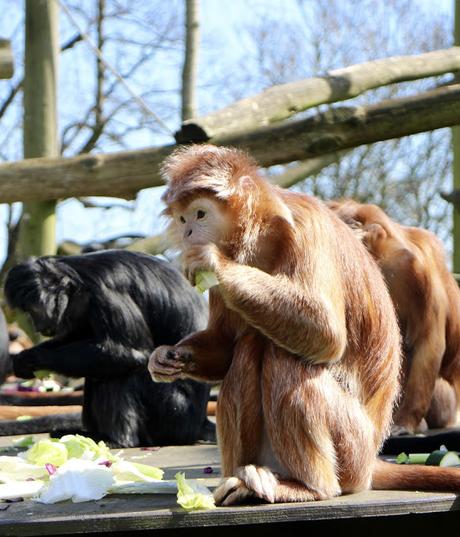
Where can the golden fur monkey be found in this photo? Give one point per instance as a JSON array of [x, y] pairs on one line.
[[302, 331]]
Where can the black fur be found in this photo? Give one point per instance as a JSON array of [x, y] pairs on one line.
[[6, 367], [106, 312]]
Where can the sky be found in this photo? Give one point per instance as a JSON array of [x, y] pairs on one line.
[[223, 38]]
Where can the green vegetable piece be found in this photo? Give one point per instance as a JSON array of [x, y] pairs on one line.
[[42, 374], [24, 441], [204, 280], [47, 452], [24, 417], [443, 458], [412, 458], [192, 496]]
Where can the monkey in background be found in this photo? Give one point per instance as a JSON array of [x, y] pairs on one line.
[[302, 330], [427, 301]]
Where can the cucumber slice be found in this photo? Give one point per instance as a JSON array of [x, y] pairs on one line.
[[443, 458]]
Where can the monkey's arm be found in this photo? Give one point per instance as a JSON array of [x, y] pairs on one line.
[[303, 324], [87, 358], [205, 355]]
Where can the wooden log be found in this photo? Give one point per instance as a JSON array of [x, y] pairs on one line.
[[125, 173], [120, 174], [6, 59], [280, 102], [304, 169], [9, 412], [345, 128]]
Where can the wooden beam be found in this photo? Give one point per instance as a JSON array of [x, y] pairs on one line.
[[6, 59], [283, 101], [123, 174]]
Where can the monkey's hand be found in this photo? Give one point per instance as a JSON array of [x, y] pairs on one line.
[[202, 257], [167, 364], [25, 363]]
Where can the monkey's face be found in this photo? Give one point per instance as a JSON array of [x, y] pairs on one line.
[[201, 221]]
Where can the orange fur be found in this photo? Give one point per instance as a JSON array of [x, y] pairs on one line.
[[427, 300], [302, 331]]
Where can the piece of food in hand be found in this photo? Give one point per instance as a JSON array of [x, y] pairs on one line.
[[204, 280]]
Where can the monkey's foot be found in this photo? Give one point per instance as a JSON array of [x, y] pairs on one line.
[[400, 430], [250, 482]]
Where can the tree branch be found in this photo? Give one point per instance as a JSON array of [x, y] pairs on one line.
[[280, 102], [6, 59], [124, 174]]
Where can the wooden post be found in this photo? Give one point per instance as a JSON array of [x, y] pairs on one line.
[[190, 68], [456, 162], [6, 59], [37, 235]]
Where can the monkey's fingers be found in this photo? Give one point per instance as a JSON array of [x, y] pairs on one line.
[[164, 376], [259, 479], [164, 372]]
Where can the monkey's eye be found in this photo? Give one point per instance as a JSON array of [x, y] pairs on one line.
[[182, 219], [200, 214]]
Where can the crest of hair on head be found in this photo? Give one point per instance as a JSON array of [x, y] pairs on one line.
[[206, 168]]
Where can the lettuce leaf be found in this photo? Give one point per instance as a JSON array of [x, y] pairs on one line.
[[17, 469], [204, 280], [82, 447], [192, 495], [46, 451], [77, 480], [134, 471], [20, 489]]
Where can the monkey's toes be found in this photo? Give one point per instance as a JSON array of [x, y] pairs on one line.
[[231, 492], [259, 479]]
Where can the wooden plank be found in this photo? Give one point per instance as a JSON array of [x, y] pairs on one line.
[[155, 512], [6, 59], [11, 412]]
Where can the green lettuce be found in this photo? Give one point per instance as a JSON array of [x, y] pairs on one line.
[[133, 471], [204, 280], [192, 495], [82, 447], [47, 451]]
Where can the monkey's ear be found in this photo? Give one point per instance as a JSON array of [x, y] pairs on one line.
[[373, 233]]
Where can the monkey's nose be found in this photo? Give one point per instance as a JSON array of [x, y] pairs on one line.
[[188, 233]]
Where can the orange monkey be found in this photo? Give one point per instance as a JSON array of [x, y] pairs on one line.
[[302, 331], [427, 301]]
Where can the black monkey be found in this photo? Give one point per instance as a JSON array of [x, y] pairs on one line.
[[106, 311]]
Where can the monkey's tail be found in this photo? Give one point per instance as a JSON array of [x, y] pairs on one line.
[[390, 476]]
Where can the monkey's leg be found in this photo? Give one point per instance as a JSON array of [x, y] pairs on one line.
[[239, 407], [319, 433], [443, 406], [424, 371], [322, 442]]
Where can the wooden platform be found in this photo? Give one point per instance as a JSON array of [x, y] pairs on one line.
[[374, 512]]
